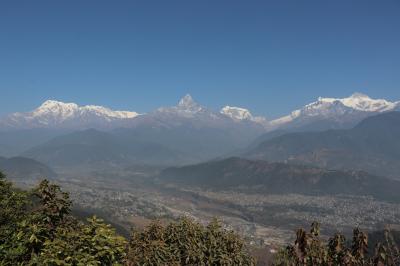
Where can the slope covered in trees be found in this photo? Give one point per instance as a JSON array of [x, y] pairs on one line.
[[277, 178]]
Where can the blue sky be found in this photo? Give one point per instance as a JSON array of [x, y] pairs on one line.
[[268, 56]]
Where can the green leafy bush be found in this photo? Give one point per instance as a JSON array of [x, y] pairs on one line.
[[186, 243], [37, 229], [93, 243]]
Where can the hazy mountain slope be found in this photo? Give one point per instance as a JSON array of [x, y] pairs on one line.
[[93, 147], [373, 145], [25, 168], [188, 128], [15, 142], [261, 176], [193, 129], [265, 137]]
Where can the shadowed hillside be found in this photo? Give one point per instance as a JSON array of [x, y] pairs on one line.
[[262, 176], [25, 168]]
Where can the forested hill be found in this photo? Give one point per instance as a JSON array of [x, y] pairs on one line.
[[262, 176]]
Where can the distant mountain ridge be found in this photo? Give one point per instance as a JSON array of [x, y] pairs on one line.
[[373, 145], [97, 148], [15, 142], [185, 133], [321, 114], [25, 168], [187, 128]]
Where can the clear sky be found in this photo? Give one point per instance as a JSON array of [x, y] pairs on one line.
[[268, 56]]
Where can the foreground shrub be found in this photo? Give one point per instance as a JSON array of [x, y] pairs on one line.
[[93, 243], [186, 243], [36, 228]]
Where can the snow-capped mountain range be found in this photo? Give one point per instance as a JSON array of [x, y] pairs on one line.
[[342, 111], [54, 114], [71, 110], [58, 114]]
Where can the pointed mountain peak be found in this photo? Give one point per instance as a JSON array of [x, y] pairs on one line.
[[188, 104], [187, 101]]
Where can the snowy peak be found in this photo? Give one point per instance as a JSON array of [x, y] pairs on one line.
[[187, 103], [59, 114], [55, 108], [242, 114], [236, 113], [354, 107], [70, 110], [362, 102], [52, 104], [186, 107]]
